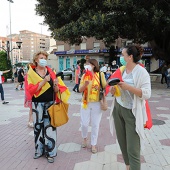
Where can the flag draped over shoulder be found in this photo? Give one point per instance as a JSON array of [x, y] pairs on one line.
[[33, 83], [65, 93], [87, 77], [116, 74]]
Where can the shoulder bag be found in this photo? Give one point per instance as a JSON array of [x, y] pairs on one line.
[[58, 113], [102, 97]]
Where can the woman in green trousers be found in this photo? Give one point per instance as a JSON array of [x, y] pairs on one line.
[[129, 111]]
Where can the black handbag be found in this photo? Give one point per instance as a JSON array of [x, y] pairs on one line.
[[113, 81]]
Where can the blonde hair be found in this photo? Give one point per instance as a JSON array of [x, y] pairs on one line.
[[37, 54]]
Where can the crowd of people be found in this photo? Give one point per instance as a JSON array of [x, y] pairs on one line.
[[128, 112]]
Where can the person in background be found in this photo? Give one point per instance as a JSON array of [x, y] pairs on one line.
[[90, 107], [43, 86], [114, 66], [108, 73], [77, 77], [168, 76], [20, 78], [104, 69], [1, 87], [16, 75], [73, 73], [163, 72], [129, 109]]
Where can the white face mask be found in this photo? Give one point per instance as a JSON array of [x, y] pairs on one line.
[[42, 62], [88, 67]]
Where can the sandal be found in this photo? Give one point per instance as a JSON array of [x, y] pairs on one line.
[[36, 156], [84, 144], [50, 159], [94, 150]]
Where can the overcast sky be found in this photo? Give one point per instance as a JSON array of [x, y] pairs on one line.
[[23, 17]]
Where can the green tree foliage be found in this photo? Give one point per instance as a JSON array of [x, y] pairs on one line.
[[5, 64], [139, 20]]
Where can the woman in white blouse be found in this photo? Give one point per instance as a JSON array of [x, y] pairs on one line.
[[129, 112]]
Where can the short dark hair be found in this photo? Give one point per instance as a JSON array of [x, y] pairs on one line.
[[95, 63]]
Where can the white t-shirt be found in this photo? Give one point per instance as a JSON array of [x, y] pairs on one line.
[[1, 73], [126, 98]]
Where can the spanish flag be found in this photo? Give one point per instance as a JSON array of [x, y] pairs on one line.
[[33, 82], [87, 77]]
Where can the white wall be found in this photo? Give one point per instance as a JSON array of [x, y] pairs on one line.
[[53, 61]]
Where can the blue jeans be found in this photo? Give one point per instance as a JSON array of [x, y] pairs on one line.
[[2, 92], [76, 87]]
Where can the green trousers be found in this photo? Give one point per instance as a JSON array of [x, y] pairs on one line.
[[128, 138]]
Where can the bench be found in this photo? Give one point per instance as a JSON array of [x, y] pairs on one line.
[[9, 80], [155, 77]]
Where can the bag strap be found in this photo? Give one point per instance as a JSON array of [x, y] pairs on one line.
[[54, 96], [100, 81]]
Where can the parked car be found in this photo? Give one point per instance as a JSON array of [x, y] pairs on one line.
[[67, 72]]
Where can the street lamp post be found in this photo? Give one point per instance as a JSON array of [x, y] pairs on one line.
[[10, 1], [8, 49]]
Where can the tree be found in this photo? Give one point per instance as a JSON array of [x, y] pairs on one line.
[[141, 21], [5, 64]]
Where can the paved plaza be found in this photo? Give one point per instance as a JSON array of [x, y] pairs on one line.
[[17, 140]]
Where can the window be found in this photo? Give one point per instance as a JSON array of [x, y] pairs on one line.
[[83, 46], [72, 47], [96, 45], [129, 42], [60, 48]]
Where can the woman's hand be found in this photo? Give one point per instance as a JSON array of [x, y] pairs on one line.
[[124, 86], [134, 90], [86, 83], [112, 90], [55, 82], [82, 88], [47, 78]]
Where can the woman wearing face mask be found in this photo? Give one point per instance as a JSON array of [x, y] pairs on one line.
[[90, 109], [129, 110], [43, 86]]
